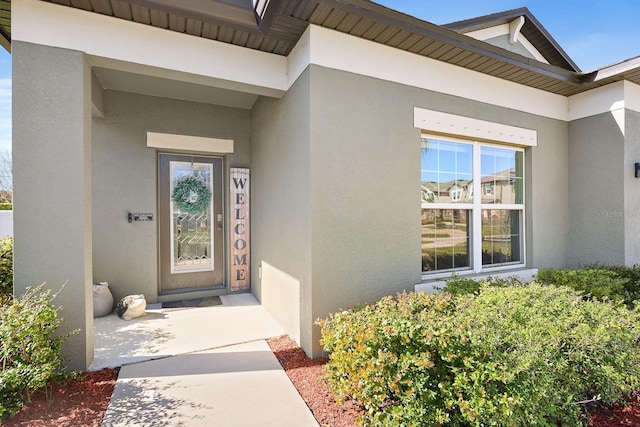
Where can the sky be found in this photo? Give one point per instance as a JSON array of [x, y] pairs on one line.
[[594, 33]]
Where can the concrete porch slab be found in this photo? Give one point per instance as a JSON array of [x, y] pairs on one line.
[[163, 333]]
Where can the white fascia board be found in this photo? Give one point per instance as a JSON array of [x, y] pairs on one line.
[[451, 124], [300, 57], [340, 51], [597, 101], [632, 96], [49, 24], [166, 141], [605, 99]]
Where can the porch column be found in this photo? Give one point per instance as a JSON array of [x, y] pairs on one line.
[[52, 185]]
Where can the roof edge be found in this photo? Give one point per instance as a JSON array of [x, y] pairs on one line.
[[446, 35], [613, 70], [481, 21], [5, 40]]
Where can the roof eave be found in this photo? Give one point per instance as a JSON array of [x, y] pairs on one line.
[[481, 22], [216, 12], [5, 40], [612, 71], [552, 41], [445, 35], [5, 24], [507, 16]]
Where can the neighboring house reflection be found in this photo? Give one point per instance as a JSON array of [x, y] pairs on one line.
[[500, 188]]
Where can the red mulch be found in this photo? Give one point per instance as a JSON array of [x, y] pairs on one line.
[[77, 401], [306, 375], [620, 414], [83, 401]]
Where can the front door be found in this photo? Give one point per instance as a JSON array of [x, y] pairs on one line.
[[190, 207]]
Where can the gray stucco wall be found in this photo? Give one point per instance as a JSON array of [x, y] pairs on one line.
[[547, 192], [125, 175], [365, 180], [631, 188], [596, 199], [52, 185], [365, 164], [280, 208], [335, 168]]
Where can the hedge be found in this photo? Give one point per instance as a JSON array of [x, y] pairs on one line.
[[510, 355]]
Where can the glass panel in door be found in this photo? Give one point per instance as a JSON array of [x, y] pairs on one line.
[[192, 225], [190, 219]]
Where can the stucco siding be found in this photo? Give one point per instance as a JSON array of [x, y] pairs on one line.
[[125, 177], [631, 188], [365, 168], [52, 185], [596, 197], [280, 209], [547, 194]]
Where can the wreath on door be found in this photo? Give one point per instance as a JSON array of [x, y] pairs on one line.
[[191, 194]]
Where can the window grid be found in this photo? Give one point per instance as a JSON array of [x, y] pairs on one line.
[[494, 225]]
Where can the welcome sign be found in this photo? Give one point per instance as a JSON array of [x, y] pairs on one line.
[[240, 241]]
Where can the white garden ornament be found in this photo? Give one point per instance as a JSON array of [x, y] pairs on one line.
[[131, 307]]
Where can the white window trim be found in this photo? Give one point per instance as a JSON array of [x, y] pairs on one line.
[[476, 208], [438, 122], [168, 141], [435, 284]]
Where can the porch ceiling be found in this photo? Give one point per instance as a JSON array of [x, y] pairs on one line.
[[111, 79], [279, 28]]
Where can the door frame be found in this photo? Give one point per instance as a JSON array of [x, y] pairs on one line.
[[163, 268]]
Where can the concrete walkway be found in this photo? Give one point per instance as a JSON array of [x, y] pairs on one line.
[[198, 367]]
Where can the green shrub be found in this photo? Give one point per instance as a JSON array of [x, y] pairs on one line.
[[6, 206], [30, 352], [593, 283], [457, 285], [632, 274], [510, 356], [381, 353], [6, 268]]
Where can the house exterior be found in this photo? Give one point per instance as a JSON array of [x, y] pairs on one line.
[[350, 152]]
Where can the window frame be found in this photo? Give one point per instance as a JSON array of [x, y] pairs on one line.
[[476, 207]]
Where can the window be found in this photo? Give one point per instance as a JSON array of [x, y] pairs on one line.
[[488, 188], [460, 232]]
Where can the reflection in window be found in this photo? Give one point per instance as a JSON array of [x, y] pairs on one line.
[[501, 236], [447, 171], [462, 232], [501, 175], [445, 239]]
